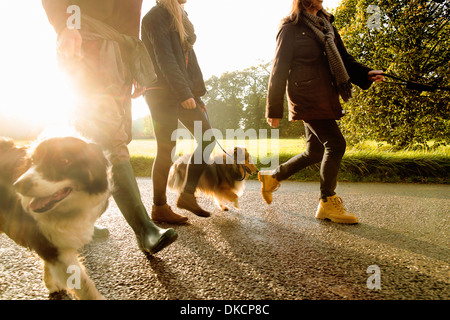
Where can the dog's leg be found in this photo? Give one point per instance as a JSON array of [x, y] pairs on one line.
[[236, 202], [230, 196], [50, 281], [222, 194], [87, 289], [219, 203], [71, 274]]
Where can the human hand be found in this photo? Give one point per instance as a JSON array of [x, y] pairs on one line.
[[69, 43], [138, 90], [189, 104], [376, 75], [274, 123]]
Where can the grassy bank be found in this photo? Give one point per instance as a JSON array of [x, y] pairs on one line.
[[368, 161]]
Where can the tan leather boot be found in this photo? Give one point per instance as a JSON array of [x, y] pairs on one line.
[[333, 209], [188, 202], [165, 214], [268, 185]]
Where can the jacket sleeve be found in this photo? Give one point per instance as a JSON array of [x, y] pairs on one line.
[[280, 72], [56, 11], [157, 32], [356, 71]]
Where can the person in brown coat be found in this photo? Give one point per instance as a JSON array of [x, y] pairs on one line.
[[105, 57], [312, 63]]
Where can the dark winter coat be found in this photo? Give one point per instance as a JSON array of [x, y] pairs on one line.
[[164, 45], [301, 65]]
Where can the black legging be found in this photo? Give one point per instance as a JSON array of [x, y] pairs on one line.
[[166, 112], [324, 143]]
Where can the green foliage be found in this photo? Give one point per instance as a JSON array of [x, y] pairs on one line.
[[238, 100], [412, 43], [143, 128], [368, 161]]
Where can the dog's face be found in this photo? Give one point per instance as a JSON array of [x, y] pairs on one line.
[[62, 171], [242, 156]]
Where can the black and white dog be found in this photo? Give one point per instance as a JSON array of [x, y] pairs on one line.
[[50, 198]]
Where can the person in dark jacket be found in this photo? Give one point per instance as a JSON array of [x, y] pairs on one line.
[[105, 56], [174, 96], [312, 63]]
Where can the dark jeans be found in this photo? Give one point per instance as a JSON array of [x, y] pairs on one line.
[[324, 143], [166, 112]]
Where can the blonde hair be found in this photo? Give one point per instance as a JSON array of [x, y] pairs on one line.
[[177, 12], [298, 6]]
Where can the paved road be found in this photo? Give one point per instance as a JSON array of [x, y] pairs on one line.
[[279, 252]]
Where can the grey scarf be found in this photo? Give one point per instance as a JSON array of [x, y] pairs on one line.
[[323, 29], [191, 37]]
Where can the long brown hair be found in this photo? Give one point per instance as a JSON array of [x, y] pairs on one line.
[[177, 12], [298, 6]]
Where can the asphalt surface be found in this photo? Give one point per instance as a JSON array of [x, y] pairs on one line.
[[277, 252]]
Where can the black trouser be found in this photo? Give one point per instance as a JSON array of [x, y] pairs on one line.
[[166, 112], [324, 143]]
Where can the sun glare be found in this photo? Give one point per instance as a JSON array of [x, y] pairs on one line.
[[35, 92]]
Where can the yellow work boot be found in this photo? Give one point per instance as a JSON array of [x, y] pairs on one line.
[[333, 209], [269, 184]]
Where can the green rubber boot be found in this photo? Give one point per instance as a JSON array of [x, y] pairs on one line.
[[150, 237]]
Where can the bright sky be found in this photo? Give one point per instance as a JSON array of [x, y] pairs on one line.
[[232, 35]]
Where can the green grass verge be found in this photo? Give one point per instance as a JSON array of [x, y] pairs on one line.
[[365, 162]]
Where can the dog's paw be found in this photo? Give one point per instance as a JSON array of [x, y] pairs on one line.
[[60, 295]]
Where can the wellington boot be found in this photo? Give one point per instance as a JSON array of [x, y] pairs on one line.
[[188, 202], [165, 214], [269, 184], [150, 237], [100, 233], [333, 209]]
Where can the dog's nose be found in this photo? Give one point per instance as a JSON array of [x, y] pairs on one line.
[[23, 186]]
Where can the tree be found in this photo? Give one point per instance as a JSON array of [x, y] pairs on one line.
[[411, 42], [255, 95], [225, 100], [237, 100]]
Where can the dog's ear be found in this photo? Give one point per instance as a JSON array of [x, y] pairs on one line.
[[97, 169], [13, 160], [236, 154], [239, 155]]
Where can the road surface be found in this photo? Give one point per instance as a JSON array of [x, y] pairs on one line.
[[399, 250]]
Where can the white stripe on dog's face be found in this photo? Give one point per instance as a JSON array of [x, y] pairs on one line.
[[32, 184], [39, 195]]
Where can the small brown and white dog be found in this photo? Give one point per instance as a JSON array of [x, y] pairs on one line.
[[50, 198], [223, 179]]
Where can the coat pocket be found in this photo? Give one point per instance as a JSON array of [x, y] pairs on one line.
[[304, 81]]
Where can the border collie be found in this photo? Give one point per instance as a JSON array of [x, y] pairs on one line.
[[50, 198], [223, 180]]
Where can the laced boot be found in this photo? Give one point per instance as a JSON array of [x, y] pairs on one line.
[[269, 184], [333, 209], [100, 232]]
